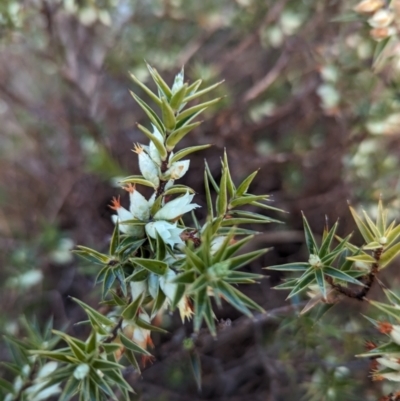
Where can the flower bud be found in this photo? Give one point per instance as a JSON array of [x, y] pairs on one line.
[[369, 6], [153, 152], [139, 206], [314, 261], [392, 329], [381, 19], [178, 169], [147, 166], [379, 34]]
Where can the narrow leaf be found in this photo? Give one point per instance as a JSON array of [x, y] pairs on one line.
[[184, 152]]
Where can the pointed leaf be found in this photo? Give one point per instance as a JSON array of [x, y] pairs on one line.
[[222, 199], [129, 344], [136, 179], [297, 266], [154, 266], [184, 152], [326, 244], [335, 273], [195, 109], [159, 81], [310, 241], [364, 230], [177, 98], [130, 312], [388, 255], [178, 134], [157, 143], [152, 95], [244, 186], [168, 115], [393, 311], [150, 113], [92, 255], [96, 316]]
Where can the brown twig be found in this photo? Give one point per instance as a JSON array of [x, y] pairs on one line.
[[367, 280]]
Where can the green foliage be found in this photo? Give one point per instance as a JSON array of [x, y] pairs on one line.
[[155, 260]]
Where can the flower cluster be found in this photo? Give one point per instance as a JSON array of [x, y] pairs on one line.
[[382, 19]]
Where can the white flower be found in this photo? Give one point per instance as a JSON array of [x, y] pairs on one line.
[[382, 33], [139, 206], [178, 169], [169, 233], [153, 284], [369, 6], [395, 334], [178, 82], [169, 288], [176, 208], [391, 363], [185, 309], [393, 376], [153, 152], [122, 216], [35, 392], [148, 168], [381, 19], [138, 335]]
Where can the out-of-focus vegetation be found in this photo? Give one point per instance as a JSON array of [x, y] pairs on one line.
[[305, 102]]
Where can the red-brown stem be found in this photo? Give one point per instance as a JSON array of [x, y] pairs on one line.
[[367, 280]]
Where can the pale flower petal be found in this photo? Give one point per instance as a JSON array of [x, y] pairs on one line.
[[176, 208], [178, 169], [153, 152], [169, 288], [169, 233], [148, 168], [381, 18], [139, 206]]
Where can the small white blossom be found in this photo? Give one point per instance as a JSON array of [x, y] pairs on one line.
[[393, 376], [153, 152], [122, 216], [381, 19], [369, 6], [178, 169], [139, 206], [138, 335], [147, 167], [178, 82], [395, 334], [169, 233], [169, 288], [35, 392], [176, 208], [153, 283], [391, 363]]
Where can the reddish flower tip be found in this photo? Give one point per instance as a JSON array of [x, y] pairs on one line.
[[130, 188], [369, 345], [385, 327], [115, 203]]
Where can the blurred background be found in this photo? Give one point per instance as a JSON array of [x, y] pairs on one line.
[[302, 103]]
